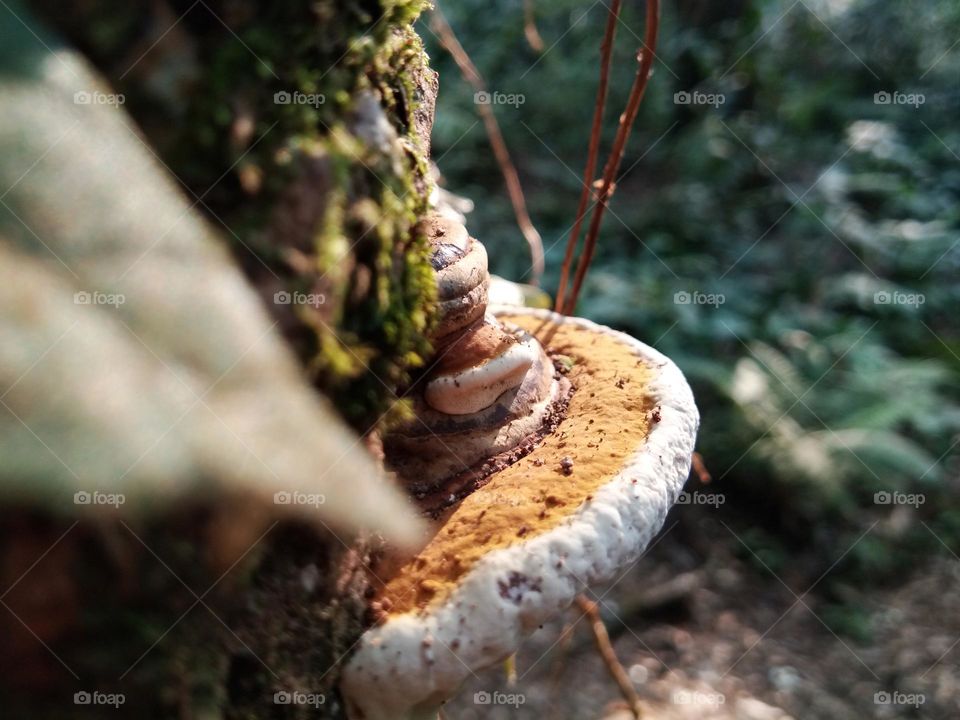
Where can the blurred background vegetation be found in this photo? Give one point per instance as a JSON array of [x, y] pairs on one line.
[[813, 206], [814, 210]]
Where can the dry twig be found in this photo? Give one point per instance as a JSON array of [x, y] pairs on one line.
[[606, 52], [608, 654], [700, 468], [470, 73], [645, 56], [530, 27]]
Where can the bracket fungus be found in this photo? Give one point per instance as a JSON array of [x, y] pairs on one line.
[[546, 450]]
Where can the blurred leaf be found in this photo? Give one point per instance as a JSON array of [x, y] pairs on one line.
[[884, 455], [134, 357]]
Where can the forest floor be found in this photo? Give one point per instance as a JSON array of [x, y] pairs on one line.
[[707, 631]]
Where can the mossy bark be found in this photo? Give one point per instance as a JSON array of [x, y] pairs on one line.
[[188, 617], [302, 130]]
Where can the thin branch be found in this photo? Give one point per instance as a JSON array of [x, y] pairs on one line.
[[470, 73], [606, 52], [629, 116], [608, 654], [700, 469], [530, 27]]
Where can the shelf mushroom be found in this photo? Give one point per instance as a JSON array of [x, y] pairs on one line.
[[559, 482], [489, 394]]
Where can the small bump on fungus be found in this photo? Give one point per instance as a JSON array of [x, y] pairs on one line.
[[486, 395], [471, 388]]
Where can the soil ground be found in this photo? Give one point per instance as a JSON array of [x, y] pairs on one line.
[[707, 631]]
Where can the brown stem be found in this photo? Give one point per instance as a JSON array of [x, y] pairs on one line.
[[645, 56], [700, 469], [608, 654], [606, 52], [530, 27], [470, 73]]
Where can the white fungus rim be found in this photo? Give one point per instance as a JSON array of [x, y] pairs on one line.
[[405, 668]]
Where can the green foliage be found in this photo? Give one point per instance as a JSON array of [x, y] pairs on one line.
[[827, 222], [848, 620]]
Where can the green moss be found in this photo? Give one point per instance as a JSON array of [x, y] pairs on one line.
[[372, 264], [383, 287]]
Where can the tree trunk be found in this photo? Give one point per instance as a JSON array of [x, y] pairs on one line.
[[301, 130]]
